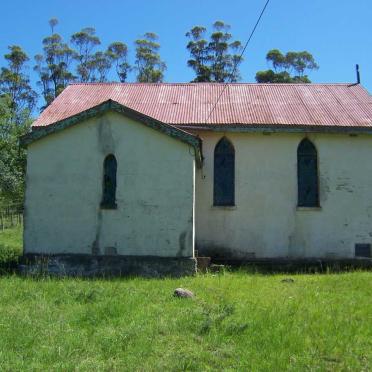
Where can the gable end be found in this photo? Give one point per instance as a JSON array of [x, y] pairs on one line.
[[110, 105]]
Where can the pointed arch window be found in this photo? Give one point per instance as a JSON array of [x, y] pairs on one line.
[[307, 174], [224, 174], [109, 182]]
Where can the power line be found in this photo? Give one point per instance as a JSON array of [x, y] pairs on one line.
[[240, 57]]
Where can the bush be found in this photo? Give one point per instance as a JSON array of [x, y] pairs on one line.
[[8, 254]]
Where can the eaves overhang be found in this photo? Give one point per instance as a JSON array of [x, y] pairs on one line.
[[279, 128]]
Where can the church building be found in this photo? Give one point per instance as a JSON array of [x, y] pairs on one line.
[[143, 178]]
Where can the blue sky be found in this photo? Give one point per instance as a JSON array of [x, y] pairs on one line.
[[337, 32]]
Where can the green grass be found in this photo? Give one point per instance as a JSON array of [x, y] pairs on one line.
[[10, 245], [237, 321]]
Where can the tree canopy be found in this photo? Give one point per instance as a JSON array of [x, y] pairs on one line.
[[53, 66], [12, 158], [80, 60], [118, 54], [149, 66], [17, 100], [15, 83], [216, 59], [287, 68]]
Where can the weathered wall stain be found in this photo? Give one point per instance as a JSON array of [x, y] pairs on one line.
[[211, 249], [324, 188], [87, 266], [106, 141], [147, 207], [96, 242], [182, 244], [111, 251], [344, 183]]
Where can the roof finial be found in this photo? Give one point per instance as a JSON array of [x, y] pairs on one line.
[[357, 73]]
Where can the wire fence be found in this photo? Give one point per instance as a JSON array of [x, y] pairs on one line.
[[11, 215]]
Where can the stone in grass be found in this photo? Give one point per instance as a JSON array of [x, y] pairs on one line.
[[287, 280], [183, 293]]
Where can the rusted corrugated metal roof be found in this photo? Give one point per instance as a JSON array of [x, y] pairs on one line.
[[346, 105]]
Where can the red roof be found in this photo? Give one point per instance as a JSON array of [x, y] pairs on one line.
[[346, 105]]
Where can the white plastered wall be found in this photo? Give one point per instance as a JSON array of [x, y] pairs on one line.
[[266, 221], [155, 191]]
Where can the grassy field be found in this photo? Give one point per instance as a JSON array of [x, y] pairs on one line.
[[237, 321]]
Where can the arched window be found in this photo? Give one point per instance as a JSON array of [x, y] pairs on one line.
[[307, 174], [109, 182], [224, 173]]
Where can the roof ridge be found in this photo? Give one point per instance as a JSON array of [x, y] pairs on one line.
[[214, 84]]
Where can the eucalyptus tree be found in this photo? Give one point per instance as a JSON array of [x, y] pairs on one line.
[[12, 157], [85, 41], [17, 102], [200, 58], [287, 68], [53, 66], [118, 53], [214, 59], [150, 68], [100, 66], [15, 83]]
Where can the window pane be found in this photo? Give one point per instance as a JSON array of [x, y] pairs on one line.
[[109, 182], [224, 173], [307, 173]]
